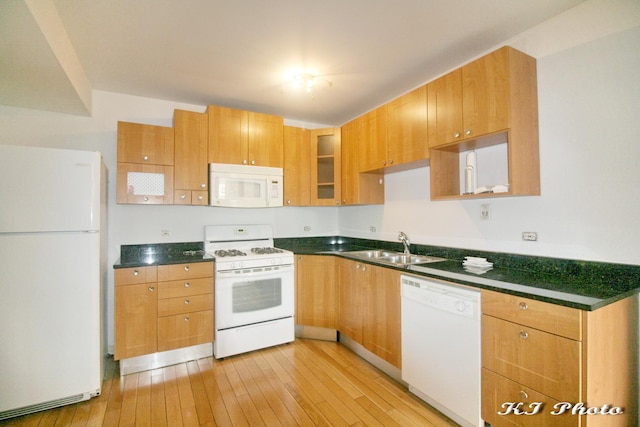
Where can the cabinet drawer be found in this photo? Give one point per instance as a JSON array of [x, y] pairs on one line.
[[545, 362], [185, 288], [497, 390], [547, 317], [184, 330], [184, 271], [172, 306], [132, 276]]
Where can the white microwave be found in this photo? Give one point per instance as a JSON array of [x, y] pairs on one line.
[[243, 186]]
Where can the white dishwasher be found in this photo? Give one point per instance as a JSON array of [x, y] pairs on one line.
[[441, 346]]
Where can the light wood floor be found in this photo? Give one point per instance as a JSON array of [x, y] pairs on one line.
[[307, 383]]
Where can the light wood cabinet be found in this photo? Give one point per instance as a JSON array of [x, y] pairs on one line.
[[381, 318], [369, 308], [358, 188], [244, 137], [185, 305], [316, 296], [296, 171], [145, 164], [534, 351], [373, 142], [136, 312], [489, 102], [326, 162], [191, 174], [160, 308], [407, 136]]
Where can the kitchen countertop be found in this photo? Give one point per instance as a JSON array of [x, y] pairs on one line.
[[584, 285]]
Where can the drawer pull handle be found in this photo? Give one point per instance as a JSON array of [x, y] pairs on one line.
[[523, 306], [186, 319], [187, 284], [187, 301], [524, 335], [524, 395], [151, 289], [186, 268]]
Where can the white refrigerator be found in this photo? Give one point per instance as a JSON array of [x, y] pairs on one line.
[[52, 274]]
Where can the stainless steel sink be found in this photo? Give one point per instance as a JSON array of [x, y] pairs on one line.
[[393, 258]]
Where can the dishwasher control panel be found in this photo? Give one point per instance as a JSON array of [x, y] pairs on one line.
[[447, 298]]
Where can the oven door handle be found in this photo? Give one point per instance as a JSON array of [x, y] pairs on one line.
[[255, 271]]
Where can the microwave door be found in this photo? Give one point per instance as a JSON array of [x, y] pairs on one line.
[[239, 191]]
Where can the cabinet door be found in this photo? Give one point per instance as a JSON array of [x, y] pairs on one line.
[[144, 184], [485, 89], [351, 279], [191, 166], [407, 139], [297, 177], [228, 139], [136, 313], [381, 328], [265, 140], [444, 109], [325, 166], [146, 144], [373, 141], [316, 299]]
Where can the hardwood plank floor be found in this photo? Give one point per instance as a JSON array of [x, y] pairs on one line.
[[306, 383]]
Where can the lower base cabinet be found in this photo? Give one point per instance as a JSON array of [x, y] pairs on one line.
[[161, 308], [316, 298]]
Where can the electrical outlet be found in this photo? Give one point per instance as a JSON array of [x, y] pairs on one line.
[[530, 236], [485, 211], [165, 232], [372, 229], [307, 228]]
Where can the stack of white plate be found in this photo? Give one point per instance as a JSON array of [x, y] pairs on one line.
[[476, 265]]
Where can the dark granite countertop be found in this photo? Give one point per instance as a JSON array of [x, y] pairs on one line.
[[160, 254], [585, 285]]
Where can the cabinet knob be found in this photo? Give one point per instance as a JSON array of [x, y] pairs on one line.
[[364, 268], [187, 284], [456, 134], [358, 265], [152, 288], [384, 162], [136, 272], [145, 158], [183, 196], [391, 161], [523, 306], [253, 162], [200, 197], [337, 202], [146, 199], [467, 131], [244, 162], [524, 395], [524, 335], [187, 301], [288, 201], [186, 319], [186, 268], [203, 185]]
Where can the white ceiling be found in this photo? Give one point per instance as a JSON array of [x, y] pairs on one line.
[[238, 53]]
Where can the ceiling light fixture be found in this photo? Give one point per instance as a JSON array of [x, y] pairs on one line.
[[308, 81]]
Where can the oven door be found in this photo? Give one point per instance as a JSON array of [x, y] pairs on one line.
[[248, 296]]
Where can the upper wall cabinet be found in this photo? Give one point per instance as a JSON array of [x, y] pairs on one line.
[[244, 137], [191, 166], [145, 164], [407, 136], [326, 163], [487, 104], [297, 176]]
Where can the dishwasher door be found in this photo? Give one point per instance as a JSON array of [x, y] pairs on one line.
[[441, 346]]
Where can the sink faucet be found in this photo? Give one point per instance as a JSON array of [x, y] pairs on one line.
[[405, 242]]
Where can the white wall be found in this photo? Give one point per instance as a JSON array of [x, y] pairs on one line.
[[589, 112]]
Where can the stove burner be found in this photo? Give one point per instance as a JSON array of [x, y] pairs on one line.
[[267, 250], [229, 252]]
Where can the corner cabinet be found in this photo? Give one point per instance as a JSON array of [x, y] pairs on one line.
[[489, 103], [145, 164], [244, 137], [316, 298], [536, 352]]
